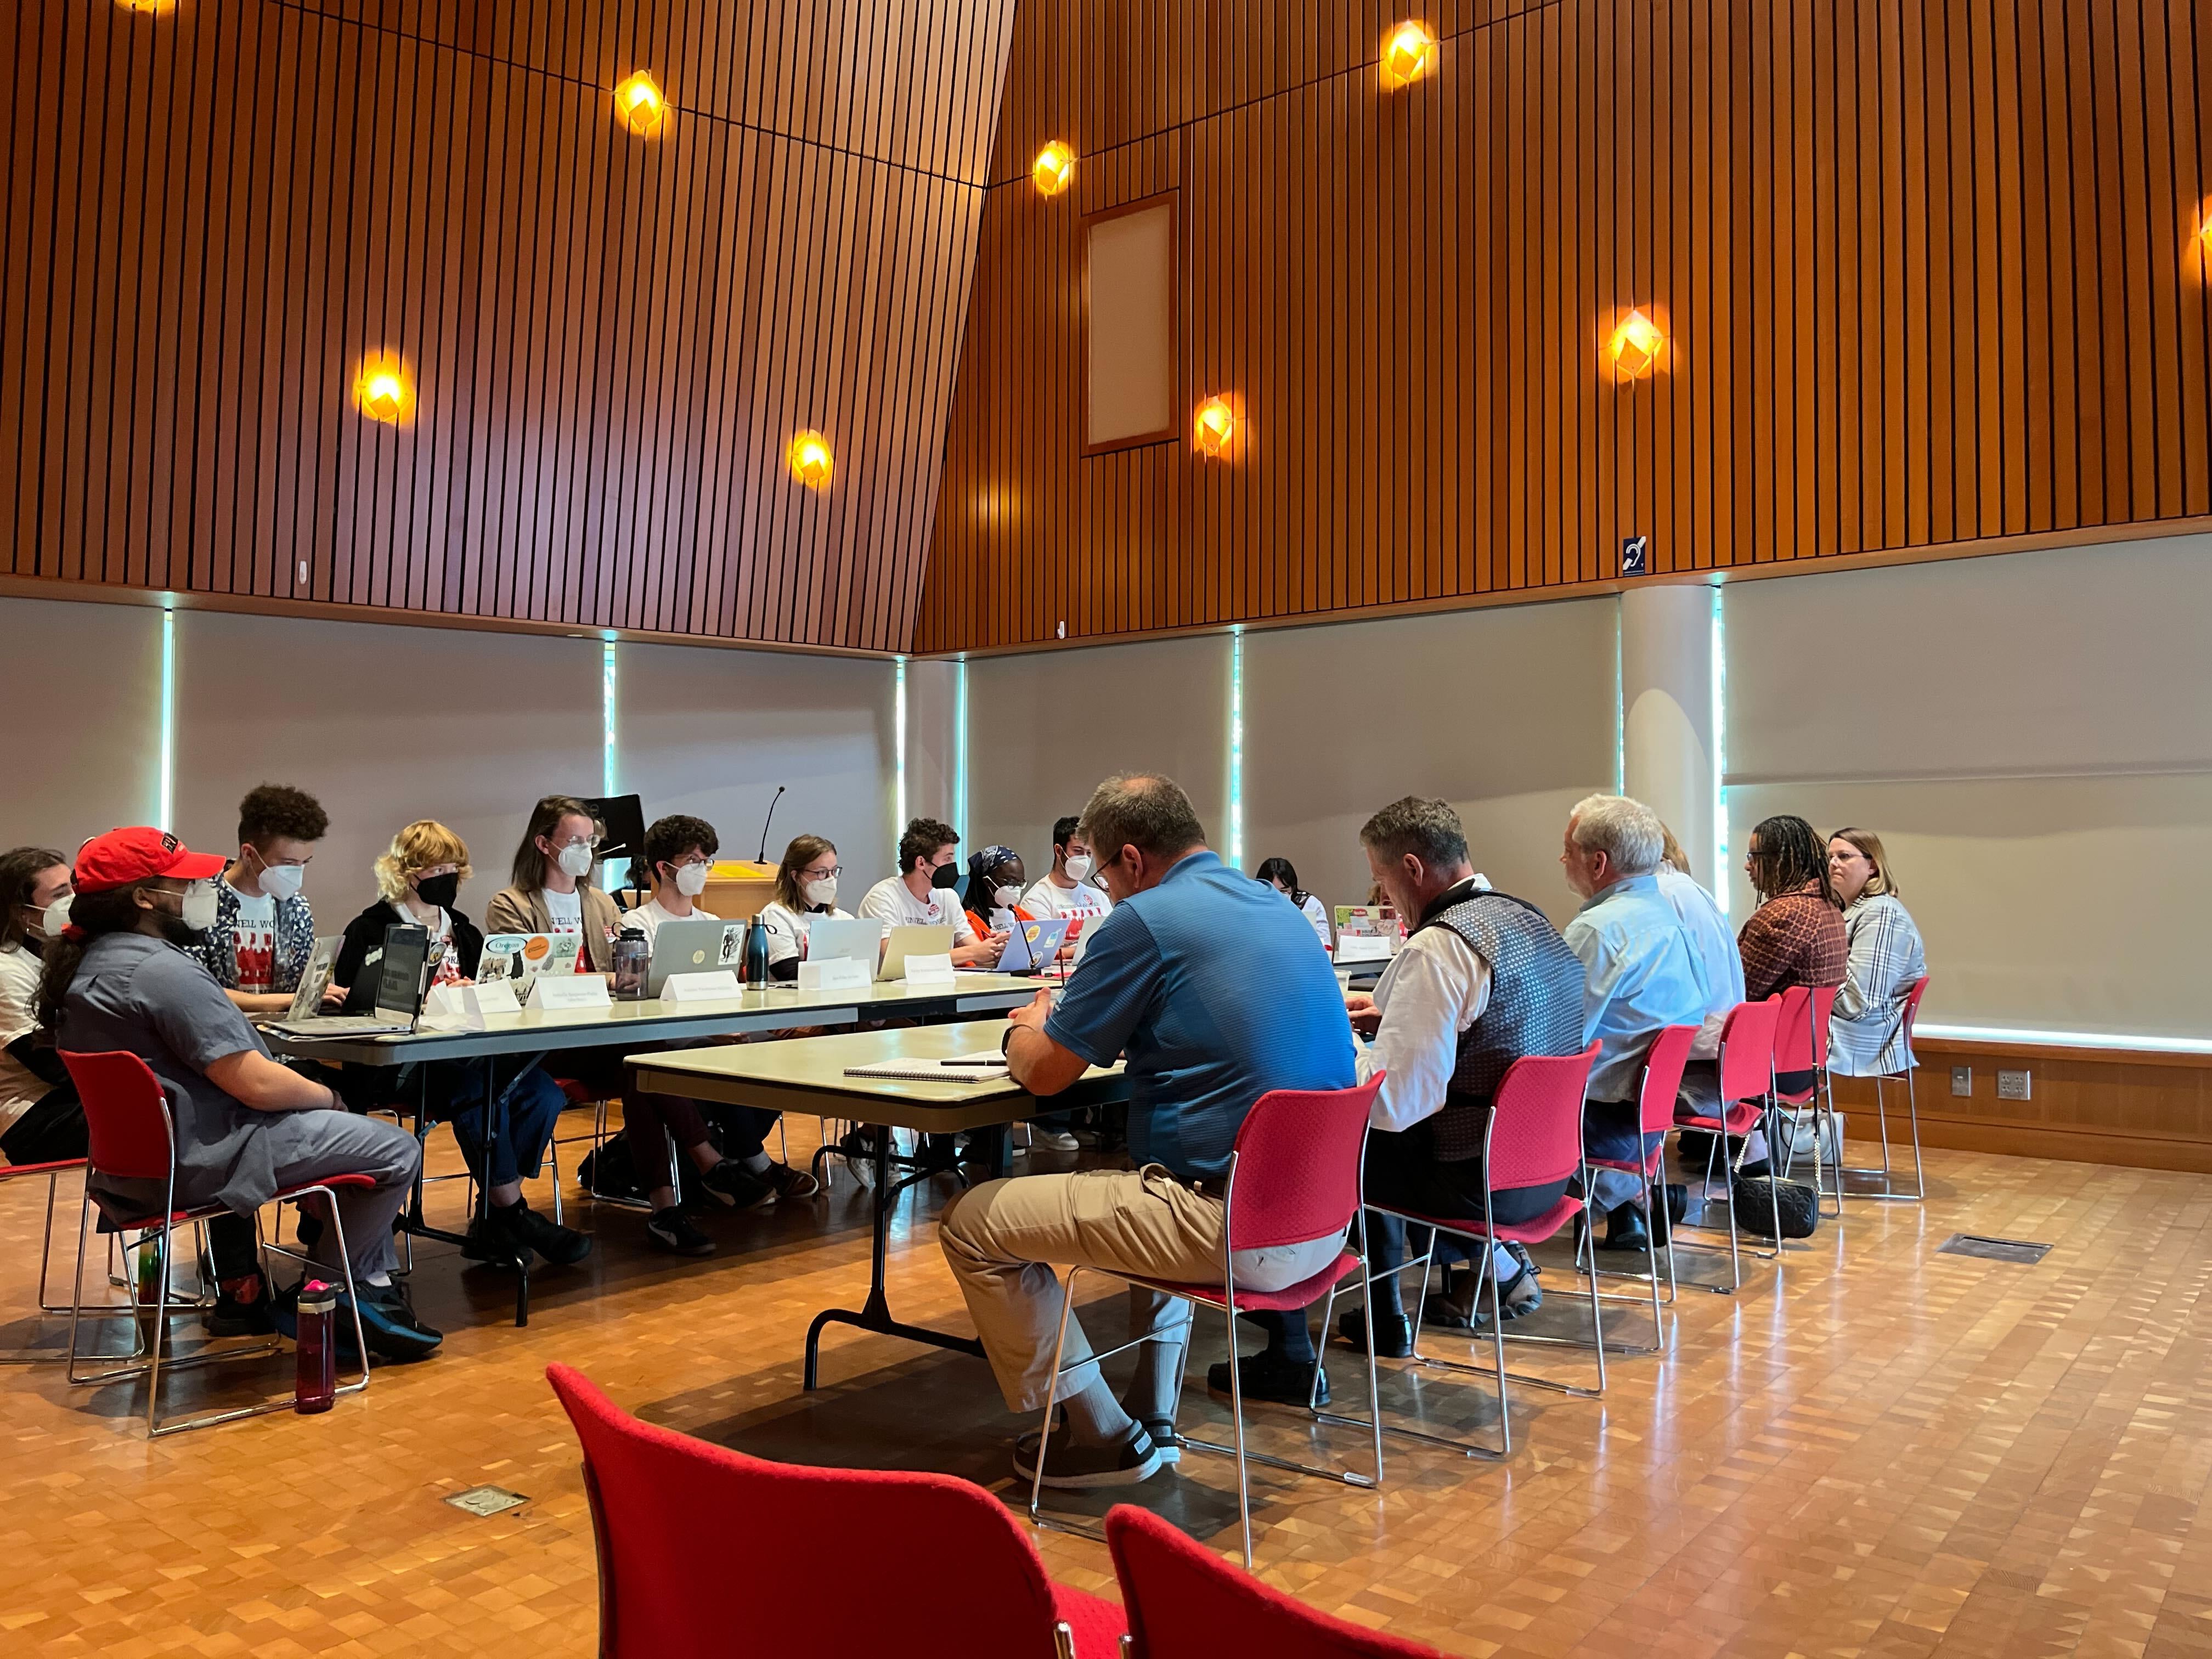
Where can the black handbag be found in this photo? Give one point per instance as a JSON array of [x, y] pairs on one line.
[[1758, 1197]]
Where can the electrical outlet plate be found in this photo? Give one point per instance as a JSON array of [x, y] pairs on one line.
[[1962, 1081], [2013, 1085]]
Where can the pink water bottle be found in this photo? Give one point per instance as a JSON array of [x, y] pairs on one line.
[[314, 1386]]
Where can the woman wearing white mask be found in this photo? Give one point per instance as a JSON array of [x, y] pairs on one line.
[[40, 1121], [806, 887], [264, 929], [995, 877], [552, 891]]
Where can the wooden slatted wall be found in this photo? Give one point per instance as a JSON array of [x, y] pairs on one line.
[[212, 212], [1929, 272]]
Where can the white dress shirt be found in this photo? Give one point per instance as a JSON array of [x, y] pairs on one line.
[[1715, 948], [1433, 990]]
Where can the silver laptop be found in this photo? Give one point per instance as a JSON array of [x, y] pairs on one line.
[[835, 938], [695, 944], [913, 942]]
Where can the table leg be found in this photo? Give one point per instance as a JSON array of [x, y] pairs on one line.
[[876, 1315]]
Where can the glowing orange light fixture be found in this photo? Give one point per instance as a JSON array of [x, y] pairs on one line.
[[1215, 425], [1635, 346], [1054, 168], [148, 8], [809, 456], [382, 390], [1409, 54], [639, 104]]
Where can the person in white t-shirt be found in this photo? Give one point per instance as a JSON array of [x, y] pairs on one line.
[[806, 887], [552, 890], [40, 1119], [1067, 891], [925, 893], [1279, 875]]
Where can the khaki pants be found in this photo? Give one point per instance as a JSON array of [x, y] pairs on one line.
[[1003, 1238]]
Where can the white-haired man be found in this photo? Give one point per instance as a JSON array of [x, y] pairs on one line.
[[1642, 971]]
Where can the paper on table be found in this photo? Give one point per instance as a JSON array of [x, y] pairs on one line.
[[929, 970], [834, 974], [714, 984], [565, 991]]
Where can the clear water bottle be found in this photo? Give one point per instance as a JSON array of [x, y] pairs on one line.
[[755, 958], [633, 956], [314, 1386]]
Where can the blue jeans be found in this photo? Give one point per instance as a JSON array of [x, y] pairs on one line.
[[1610, 1129], [456, 1088]]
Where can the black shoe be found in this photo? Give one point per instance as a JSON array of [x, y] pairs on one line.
[[734, 1187], [1394, 1334], [490, 1242], [526, 1230], [938, 1154], [670, 1229], [1669, 1215], [230, 1317], [388, 1324], [788, 1183], [1266, 1377], [1165, 1441], [1081, 1468], [1755, 1172], [1624, 1229]]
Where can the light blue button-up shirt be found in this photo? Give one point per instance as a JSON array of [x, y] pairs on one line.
[[1644, 971]]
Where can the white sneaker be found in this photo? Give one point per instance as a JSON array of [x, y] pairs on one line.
[[1057, 1141]]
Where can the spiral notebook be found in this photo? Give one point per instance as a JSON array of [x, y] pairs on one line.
[[960, 1068]]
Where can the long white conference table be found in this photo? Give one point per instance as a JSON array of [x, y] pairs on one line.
[[534, 1033]]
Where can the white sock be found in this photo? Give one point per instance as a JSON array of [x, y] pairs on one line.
[[1504, 1263], [377, 1281], [756, 1163]]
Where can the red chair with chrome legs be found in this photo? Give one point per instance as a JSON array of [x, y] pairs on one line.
[[1293, 1176], [1654, 1098], [1534, 1138], [1186, 1603], [1746, 1079], [942, 1568], [1801, 1046], [126, 1115], [1907, 1016]]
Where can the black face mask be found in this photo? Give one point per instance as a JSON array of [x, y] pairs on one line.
[[184, 938], [441, 891], [945, 876]]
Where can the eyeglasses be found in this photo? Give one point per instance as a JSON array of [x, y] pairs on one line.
[[830, 874], [591, 842]]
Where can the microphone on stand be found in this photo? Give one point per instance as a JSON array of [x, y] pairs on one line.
[[762, 856]]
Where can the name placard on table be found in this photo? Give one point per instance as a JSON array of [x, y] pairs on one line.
[[710, 985], [929, 970], [837, 974], [563, 992]]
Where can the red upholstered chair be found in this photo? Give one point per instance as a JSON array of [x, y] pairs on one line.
[[1655, 1094], [1747, 1074], [1186, 1603], [1294, 1175], [1906, 1017], [126, 1114], [1534, 1139], [52, 1172], [1801, 1044], [947, 1569]]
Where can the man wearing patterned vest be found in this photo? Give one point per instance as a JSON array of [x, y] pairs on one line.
[[1483, 979]]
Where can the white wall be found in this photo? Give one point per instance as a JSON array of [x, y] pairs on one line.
[[2030, 735], [1044, 729], [384, 724], [1507, 714]]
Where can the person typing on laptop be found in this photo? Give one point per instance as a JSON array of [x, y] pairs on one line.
[[922, 894], [264, 928]]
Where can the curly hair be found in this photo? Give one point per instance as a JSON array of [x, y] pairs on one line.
[[922, 838], [277, 809], [670, 838], [422, 845]]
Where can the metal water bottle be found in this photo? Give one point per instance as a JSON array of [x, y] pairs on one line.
[[314, 1385], [755, 958]]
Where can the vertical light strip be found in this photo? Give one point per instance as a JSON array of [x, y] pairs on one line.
[[899, 741], [616, 872], [1723, 875], [960, 748], [165, 804], [1619, 707], [1236, 747]]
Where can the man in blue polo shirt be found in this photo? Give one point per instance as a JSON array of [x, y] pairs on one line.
[[1210, 987]]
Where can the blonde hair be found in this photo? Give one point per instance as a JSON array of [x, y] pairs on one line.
[[1671, 850], [420, 846], [1870, 844]]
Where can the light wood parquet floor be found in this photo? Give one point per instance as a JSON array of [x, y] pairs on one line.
[[1876, 1449]]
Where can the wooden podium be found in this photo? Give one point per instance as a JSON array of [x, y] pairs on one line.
[[738, 888]]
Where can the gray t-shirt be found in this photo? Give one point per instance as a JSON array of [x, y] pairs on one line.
[[144, 995]]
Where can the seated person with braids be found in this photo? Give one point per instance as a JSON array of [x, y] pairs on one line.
[[1796, 937], [125, 977], [1483, 979]]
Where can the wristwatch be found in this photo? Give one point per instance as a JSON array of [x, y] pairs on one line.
[[1006, 1040]]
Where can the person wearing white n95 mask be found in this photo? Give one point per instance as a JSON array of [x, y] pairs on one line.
[[1067, 889], [679, 851], [552, 890], [257, 942], [805, 888]]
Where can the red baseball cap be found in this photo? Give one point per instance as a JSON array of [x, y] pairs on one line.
[[123, 856]]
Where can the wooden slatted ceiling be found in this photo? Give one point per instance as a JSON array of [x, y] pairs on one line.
[[210, 215], [1928, 270]]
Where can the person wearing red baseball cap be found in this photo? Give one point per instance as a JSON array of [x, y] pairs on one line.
[[121, 977]]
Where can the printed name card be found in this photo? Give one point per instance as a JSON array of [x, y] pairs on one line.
[[445, 1009], [561, 993], [714, 985], [496, 997], [838, 973], [929, 970]]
